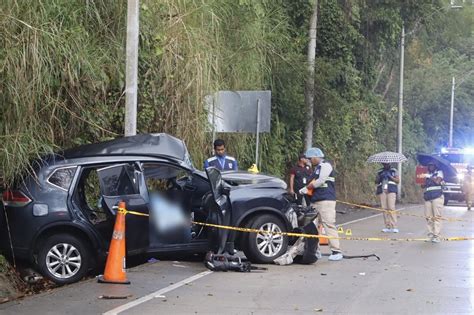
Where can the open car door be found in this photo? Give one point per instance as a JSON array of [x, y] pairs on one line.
[[122, 182], [219, 206]]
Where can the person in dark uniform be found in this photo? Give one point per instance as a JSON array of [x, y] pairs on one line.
[[299, 178], [323, 198], [220, 160], [434, 201], [387, 180]]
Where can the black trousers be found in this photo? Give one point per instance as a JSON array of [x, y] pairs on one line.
[[300, 198]]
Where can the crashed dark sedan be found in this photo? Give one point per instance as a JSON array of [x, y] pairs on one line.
[[61, 218]]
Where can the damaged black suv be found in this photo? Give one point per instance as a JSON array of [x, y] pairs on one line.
[[61, 218]]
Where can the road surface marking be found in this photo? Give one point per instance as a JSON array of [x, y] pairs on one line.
[[376, 215], [157, 294], [180, 266], [160, 293]]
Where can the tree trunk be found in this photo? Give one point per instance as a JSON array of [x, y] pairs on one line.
[[389, 83], [309, 91], [379, 75]]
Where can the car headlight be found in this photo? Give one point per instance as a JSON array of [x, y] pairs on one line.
[[460, 176]]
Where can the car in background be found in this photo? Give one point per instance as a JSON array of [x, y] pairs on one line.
[[61, 216], [459, 159]]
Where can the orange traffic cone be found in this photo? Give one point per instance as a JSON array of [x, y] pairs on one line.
[[115, 265], [322, 240]]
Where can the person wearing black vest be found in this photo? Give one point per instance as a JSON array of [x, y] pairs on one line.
[[386, 181], [220, 160], [434, 201], [299, 177], [323, 198]]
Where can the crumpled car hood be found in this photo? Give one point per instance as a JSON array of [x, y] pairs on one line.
[[241, 178]]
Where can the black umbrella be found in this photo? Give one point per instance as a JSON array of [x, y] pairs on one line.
[[448, 170]]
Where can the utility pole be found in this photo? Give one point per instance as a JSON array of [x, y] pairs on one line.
[[400, 109], [451, 116], [131, 71], [309, 91]]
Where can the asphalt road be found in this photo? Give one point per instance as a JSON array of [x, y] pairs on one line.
[[412, 277]]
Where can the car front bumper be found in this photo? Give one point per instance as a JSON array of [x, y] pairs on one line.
[[453, 192]]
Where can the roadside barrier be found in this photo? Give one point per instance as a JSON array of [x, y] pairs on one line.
[[115, 265]]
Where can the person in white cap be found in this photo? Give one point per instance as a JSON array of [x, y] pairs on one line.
[[323, 198]]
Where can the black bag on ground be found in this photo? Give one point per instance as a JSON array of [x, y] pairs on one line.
[[227, 262], [310, 246]]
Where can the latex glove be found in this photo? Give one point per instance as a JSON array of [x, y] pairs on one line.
[[303, 191]]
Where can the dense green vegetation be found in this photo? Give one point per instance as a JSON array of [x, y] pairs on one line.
[[62, 76]]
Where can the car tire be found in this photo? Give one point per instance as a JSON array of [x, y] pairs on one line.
[[264, 248], [64, 258]]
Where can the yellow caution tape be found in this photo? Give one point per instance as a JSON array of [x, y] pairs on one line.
[[249, 230], [403, 213], [340, 230], [348, 232], [125, 211]]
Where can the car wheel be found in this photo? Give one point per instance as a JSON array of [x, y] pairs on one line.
[[263, 247], [63, 258]]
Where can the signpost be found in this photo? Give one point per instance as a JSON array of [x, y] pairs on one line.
[[240, 112]]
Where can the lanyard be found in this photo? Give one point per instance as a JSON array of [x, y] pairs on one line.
[[221, 163]]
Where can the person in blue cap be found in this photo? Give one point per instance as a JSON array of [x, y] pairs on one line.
[[323, 198], [221, 160]]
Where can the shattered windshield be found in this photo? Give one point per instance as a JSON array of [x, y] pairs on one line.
[[187, 160]]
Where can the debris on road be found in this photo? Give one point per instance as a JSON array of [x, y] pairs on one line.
[[115, 297], [180, 266]]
